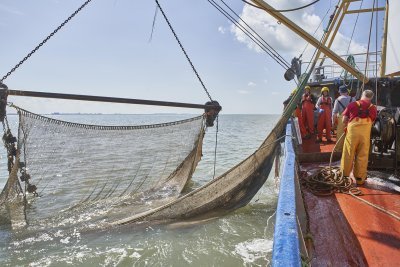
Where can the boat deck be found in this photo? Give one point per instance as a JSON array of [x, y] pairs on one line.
[[310, 151], [348, 232]]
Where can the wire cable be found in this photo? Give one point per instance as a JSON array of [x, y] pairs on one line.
[[327, 12], [282, 10], [153, 24], [45, 40], [279, 60], [269, 46], [376, 53], [369, 41], [183, 50], [354, 28]]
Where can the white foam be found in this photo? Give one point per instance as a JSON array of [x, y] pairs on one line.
[[65, 240], [253, 249], [135, 255]]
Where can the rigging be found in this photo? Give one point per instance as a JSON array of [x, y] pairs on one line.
[[269, 46], [183, 50], [277, 57], [327, 12], [282, 10], [44, 41]]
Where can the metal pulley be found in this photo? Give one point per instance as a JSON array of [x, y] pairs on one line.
[[212, 110], [3, 101], [295, 69]]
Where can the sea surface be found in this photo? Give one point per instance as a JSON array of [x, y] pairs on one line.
[[243, 237]]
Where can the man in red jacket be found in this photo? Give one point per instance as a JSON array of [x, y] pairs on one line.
[[307, 112], [358, 117]]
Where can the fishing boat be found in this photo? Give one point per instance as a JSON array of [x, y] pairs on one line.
[[320, 225], [338, 229]]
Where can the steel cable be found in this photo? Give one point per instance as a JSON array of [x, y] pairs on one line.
[[183, 50], [45, 40], [248, 34], [282, 10]]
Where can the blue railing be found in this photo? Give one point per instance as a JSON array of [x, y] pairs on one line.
[[286, 250]]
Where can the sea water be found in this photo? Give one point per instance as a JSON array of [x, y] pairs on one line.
[[243, 237]]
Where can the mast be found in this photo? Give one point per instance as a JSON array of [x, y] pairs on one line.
[[344, 6], [310, 39], [384, 43]]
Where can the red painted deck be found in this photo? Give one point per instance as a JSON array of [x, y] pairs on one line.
[[310, 151], [310, 146], [348, 232]]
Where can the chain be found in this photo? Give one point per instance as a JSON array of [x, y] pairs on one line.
[[183, 50], [44, 41]]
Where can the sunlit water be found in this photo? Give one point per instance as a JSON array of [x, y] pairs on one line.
[[241, 238]]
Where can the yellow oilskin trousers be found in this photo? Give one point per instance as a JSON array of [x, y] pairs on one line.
[[339, 132], [356, 148]]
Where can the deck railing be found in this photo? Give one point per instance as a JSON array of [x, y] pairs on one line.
[[287, 234], [331, 70]]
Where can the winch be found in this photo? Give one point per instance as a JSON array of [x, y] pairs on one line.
[[385, 140]]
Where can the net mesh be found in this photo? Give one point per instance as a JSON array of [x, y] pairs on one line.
[[72, 164], [229, 191]]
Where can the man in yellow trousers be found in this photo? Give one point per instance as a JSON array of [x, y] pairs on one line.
[[358, 118], [337, 115]]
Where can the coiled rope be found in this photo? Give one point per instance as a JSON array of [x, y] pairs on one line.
[[330, 180]]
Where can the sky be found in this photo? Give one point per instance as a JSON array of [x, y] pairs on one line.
[[106, 50]]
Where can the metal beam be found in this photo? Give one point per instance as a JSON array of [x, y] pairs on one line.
[[106, 99], [306, 36], [384, 43], [365, 10], [344, 6]]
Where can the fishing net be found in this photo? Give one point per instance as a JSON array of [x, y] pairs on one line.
[[231, 190], [69, 164]]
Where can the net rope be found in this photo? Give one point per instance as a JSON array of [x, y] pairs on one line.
[[73, 164], [231, 190]]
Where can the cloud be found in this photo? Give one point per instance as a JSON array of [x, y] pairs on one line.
[[251, 84], [284, 40], [274, 93], [221, 29], [243, 92]]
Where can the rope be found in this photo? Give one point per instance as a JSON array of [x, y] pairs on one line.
[[215, 148], [330, 180], [282, 10], [102, 127], [329, 9], [376, 54], [153, 24], [269, 50], [273, 142], [376, 207], [45, 40], [369, 41], [354, 28], [183, 50]]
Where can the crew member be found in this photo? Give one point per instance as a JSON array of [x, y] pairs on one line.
[[358, 117], [337, 118], [324, 107], [297, 113], [307, 111]]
